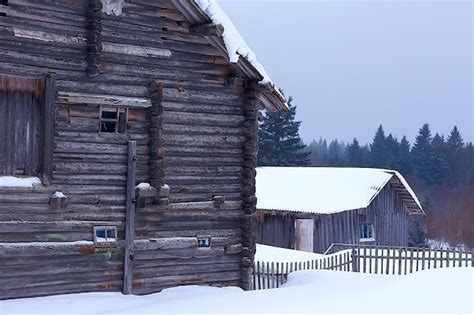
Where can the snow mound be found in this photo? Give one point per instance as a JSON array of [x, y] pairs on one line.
[[270, 254]]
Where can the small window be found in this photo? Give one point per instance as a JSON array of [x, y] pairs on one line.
[[105, 234], [204, 242], [113, 120], [367, 233]]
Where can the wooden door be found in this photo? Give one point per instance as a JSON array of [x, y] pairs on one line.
[[20, 133], [304, 234]]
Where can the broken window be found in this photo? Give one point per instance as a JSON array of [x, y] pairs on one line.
[[113, 120]]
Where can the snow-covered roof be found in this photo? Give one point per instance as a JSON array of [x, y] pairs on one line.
[[326, 190], [236, 47]]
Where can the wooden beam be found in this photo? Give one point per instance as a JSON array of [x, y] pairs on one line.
[[130, 218], [48, 127], [208, 29]]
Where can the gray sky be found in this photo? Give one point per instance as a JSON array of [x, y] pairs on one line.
[[351, 65]]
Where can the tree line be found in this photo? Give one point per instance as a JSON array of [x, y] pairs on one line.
[[436, 160]]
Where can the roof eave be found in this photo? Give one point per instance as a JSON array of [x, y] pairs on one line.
[[271, 98]]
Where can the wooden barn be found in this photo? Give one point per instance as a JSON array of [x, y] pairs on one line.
[[128, 141], [312, 208]]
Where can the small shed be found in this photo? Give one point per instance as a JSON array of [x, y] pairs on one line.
[[311, 208]]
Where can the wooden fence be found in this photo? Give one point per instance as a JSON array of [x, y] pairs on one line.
[[366, 259]]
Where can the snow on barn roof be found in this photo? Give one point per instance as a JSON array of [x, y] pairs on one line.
[[326, 190], [235, 47]]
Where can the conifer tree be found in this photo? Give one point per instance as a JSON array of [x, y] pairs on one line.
[[392, 148], [456, 163], [405, 161], [422, 154], [378, 150], [455, 140], [438, 160], [280, 143], [354, 154]]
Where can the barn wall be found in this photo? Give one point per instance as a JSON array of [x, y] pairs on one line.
[[386, 212], [276, 230], [203, 136]]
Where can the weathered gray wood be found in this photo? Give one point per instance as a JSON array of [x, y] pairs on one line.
[[130, 219]]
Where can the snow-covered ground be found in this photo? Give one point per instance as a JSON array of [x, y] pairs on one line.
[[430, 292], [282, 255]]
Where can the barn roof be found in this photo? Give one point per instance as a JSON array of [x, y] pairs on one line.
[[326, 190], [233, 47]]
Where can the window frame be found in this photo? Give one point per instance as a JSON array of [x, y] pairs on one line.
[[118, 110], [370, 237], [105, 229]]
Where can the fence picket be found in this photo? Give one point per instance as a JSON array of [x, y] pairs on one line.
[[387, 265], [400, 251], [267, 275], [394, 257], [376, 262], [423, 259]]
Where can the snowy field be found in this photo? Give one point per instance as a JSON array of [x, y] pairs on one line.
[[440, 291]]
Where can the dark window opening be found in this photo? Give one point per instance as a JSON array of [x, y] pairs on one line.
[[164, 29], [367, 232], [113, 120], [3, 2], [180, 23], [164, 38]]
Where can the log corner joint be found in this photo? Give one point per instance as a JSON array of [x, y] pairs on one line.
[[94, 37]]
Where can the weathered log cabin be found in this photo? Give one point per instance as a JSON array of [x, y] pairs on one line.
[[312, 208], [128, 140]]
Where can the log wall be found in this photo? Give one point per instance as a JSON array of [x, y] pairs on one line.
[[203, 135]]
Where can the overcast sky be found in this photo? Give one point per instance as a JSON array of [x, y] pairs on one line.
[[352, 65]]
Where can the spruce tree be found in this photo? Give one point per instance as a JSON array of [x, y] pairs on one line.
[[354, 154], [439, 160], [422, 153], [280, 143], [455, 157], [455, 140], [392, 148], [378, 150], [405, 161]]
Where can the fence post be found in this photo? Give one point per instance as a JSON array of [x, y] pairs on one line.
[[355, 267]]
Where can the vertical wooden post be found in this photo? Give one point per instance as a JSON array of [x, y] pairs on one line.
[[48, 127], [130, 218], [355, 267]]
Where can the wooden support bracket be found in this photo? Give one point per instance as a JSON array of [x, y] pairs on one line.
[[209, 29]]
